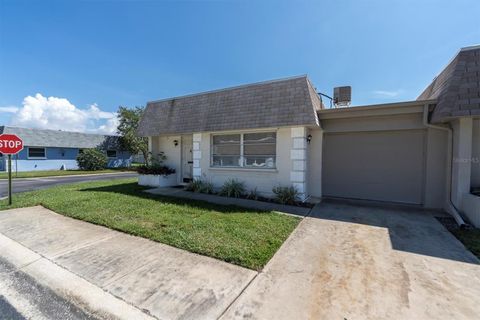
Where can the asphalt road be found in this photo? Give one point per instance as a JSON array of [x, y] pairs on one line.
[[22, 298], [29, 184]]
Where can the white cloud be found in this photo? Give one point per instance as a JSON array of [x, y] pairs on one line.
[[387, 94], [110, 126], [95, 113], [60, 114], [10, 109]]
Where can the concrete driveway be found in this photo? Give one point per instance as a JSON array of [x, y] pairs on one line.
[[356, 262]]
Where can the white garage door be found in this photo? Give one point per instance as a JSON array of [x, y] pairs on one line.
[[384, 166]]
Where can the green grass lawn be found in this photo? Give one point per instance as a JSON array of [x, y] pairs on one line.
[[50, 173], [470, 238], [241, 236]]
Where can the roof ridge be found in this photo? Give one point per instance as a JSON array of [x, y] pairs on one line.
[[230, 88], [463, 49], [432, 83], [472, 47], [61, 131], [459, 87]]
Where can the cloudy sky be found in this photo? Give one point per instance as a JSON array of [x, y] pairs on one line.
[[59, 114], [70, 64]]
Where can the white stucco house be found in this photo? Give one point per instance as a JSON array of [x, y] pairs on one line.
[[424, 152]]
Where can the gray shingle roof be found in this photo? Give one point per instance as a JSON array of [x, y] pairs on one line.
[[457, 87], [62, 139], [284, 102]]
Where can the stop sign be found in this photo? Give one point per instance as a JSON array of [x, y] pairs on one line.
[[10, 144]]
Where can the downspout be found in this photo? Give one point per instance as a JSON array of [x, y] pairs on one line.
[[451, 209]]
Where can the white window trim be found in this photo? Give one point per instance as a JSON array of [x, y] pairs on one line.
[[242, 156], [36, 158]]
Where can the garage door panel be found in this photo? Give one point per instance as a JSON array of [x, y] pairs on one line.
[[385, 166]]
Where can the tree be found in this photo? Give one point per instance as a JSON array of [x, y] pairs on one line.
[[127, 128], [92, 159]]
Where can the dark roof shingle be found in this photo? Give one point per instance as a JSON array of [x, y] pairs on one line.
[[457, 87], [286, 102]]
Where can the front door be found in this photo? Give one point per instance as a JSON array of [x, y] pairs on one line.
[[187, 158]]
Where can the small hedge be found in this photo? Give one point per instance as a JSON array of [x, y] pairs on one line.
[[232, 188], [286, 195], [201, 186], [155, 169], [92, 159]]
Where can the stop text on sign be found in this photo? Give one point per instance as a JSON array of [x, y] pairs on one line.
[[10, 144]]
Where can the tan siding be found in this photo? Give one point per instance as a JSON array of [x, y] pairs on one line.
[[374, 123], [436, 164], [476, 154]]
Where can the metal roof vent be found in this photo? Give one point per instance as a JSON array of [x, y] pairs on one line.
[[342, 96]]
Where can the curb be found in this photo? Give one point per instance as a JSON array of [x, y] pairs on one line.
[[67, 285]]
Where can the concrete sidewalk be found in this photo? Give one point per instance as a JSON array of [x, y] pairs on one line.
[[127, 273]]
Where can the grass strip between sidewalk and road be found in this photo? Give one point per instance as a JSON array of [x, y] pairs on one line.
[[245, 237], [53, 173]]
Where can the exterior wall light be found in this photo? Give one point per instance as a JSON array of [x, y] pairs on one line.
[[175, 143], [309, 138]]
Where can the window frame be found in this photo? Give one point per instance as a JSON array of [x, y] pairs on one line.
[[37, 158], [242, 165], [111, 150], [240, 143]]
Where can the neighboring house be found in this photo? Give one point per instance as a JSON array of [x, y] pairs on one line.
[[138, 158], [55, 150], [424, 152]]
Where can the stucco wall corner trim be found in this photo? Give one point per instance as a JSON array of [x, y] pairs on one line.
[[197, 155], [298, 155]]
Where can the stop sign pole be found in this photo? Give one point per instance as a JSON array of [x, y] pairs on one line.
[[9, 179], [10, 144]]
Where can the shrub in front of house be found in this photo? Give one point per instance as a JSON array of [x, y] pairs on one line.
[[155, 169], [200, 186], [92, 159], [253, 194], [156, 175], [232, 188], [286, 195]]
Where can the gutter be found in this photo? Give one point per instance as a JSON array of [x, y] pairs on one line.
[[450, 207]]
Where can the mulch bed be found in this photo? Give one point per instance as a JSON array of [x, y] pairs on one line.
[[449, 223], [263, 199]]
